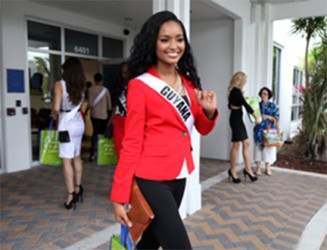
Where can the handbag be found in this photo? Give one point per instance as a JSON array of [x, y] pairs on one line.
[[63, 136], [122, 242], [273, 137], [140, 213], [49, 147]]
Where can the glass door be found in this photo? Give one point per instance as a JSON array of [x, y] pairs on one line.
[[44, 70]]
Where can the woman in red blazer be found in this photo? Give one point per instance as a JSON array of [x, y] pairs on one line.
[[164, 101]]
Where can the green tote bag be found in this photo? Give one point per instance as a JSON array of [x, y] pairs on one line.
[[106, 154], [49, 147]]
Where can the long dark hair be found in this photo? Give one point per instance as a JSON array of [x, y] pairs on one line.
[[143, 51], [73, 74]]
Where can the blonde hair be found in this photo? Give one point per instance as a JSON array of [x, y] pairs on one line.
[[238, 81]]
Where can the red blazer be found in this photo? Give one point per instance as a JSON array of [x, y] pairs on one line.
[[156, 140]]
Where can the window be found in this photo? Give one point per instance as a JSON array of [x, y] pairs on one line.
[[81, 43], [43, 36], [112, 48], [276, 73], [297, 93]]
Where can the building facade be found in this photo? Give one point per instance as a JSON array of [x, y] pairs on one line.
[[226, 36]]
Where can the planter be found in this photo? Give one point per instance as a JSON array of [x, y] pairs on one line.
[[298, 163]]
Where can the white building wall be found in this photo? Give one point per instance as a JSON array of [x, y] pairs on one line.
[[16, 139], [17, 136], [1, 100], [212, 44], [293, 49]]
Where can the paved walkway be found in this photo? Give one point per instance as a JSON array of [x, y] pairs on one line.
[[285, 211]]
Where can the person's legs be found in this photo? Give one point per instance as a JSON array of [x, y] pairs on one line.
[[269, 158], [257, 157], [94, 138], [68, 174], [233, 158], [78, 170], [167, 229], [247, 171], [258, 168], [267, 169], [246, 156], [102, 126]]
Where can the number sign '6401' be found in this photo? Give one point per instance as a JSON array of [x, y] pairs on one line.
[[81, 50]]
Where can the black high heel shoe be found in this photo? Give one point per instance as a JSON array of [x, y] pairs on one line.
[[80, 193], [252, 178], [235, 180], [72, 203]]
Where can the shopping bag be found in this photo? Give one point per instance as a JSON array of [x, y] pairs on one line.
[[122, 242], [254, 104], [106, 153], [273, 137], [49, 147]]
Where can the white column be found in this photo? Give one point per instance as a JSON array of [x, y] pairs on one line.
[[268, 44], [158, 5], [263, 39], [238, 45], [258, 36], [192, 199], [175, 7]]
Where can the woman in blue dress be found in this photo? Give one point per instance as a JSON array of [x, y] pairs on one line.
[[269, 112]]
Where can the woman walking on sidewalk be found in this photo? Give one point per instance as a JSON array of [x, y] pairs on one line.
[[68, 97], [164, 101]]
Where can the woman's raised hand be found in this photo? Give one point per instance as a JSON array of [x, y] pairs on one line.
[[207, 100]]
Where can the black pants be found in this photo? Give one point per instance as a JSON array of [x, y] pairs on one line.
[[99, 126], [167, 229]]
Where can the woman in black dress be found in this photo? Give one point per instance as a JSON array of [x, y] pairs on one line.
[[239, 134]]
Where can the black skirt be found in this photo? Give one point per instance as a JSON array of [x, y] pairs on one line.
[[237, 125]]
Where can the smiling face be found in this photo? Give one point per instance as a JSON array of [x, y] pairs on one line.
[[170, 44]]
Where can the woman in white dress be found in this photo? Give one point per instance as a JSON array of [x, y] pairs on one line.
[[68, 96]]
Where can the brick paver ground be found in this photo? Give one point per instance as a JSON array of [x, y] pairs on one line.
[[268, 214]]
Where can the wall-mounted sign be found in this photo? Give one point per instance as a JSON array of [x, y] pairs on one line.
[[82, 50], [15, 81], [81, 42]]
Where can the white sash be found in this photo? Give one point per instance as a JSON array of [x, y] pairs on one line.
[[171, 96], [121, 110], [68, 116], [99, 96]]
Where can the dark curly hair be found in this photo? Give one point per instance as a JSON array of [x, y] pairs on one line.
[[268, 90], [73, 74], [143, 51]]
